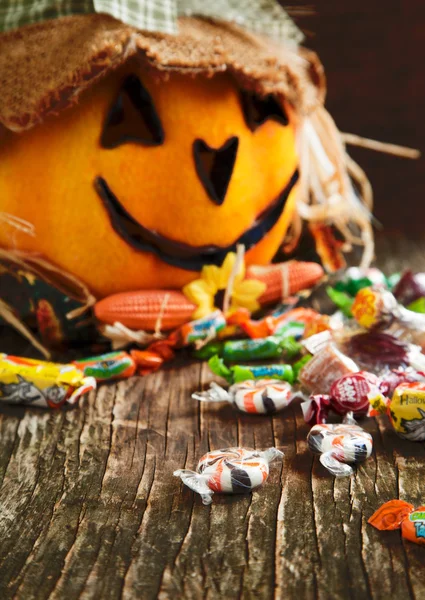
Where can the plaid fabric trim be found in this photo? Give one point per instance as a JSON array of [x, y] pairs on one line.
[[263, 16]]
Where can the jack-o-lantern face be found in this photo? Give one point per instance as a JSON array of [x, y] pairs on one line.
[[147, 179]]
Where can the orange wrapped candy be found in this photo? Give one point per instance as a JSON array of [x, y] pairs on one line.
[[397, 514]]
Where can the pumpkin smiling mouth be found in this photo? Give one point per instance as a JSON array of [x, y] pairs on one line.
[[179, 254]]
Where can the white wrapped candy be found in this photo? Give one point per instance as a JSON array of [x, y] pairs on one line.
[[338, 445], [229, 471], [262, 396]]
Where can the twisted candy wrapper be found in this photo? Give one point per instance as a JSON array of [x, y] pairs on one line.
[[338, 445], [264, 396], [39, 383], [229, 471], [397, 514]]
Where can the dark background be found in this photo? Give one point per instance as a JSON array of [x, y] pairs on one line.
[[374, 57]]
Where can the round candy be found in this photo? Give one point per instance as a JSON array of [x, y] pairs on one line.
[[353, 392], [261, 396], [340, 444], [229, 471], [407, 411], [234, 470], [374, 308]]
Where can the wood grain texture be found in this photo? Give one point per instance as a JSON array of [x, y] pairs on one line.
[[89, 507]]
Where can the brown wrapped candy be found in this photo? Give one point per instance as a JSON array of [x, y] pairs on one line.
[[325, 368]]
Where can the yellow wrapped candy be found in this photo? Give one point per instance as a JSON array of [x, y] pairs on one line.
[[406, 410], [39, 383]]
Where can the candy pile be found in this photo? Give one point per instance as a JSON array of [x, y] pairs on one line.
[[365, 359]]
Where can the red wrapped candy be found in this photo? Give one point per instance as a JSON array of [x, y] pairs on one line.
[[351, 393]]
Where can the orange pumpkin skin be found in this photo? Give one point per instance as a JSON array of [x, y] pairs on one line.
[[47, 178]]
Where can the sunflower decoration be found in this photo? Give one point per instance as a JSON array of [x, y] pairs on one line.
[[225, 288]]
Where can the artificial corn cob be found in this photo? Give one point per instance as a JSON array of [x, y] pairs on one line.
[[147, 310], [284, 279]]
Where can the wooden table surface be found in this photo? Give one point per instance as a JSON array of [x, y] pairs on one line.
[[89, 507]]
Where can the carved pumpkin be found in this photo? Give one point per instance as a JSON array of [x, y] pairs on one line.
[[148, 178]]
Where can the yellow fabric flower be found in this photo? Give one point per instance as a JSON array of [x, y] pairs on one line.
[[208, 291]]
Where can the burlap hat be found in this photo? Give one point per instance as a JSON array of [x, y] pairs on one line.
[[45, 67]]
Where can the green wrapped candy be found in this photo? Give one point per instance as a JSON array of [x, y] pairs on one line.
[[257, 349], [240, 373], [342, 300]]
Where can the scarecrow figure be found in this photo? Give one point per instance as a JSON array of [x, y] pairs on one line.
[[142, 141]]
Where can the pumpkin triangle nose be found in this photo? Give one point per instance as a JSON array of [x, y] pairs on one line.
[[215, 167]]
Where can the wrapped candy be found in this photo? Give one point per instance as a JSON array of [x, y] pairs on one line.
[[355, 279], [291, 322], [374, 351], [377, 350], [328, 365], [194, 332], [397, 514], [338, 445], [256, 349], [342, 300], [410, 287], [378, 309], [264, 396], [107, 367], [238, 373], [350, 394], [406, 410], [392, 379], [229, 471], [354, 391], [39, 383], [198, 330]]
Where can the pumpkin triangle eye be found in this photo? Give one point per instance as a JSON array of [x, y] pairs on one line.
[[257, 110], [215, 167], [132, 117]]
